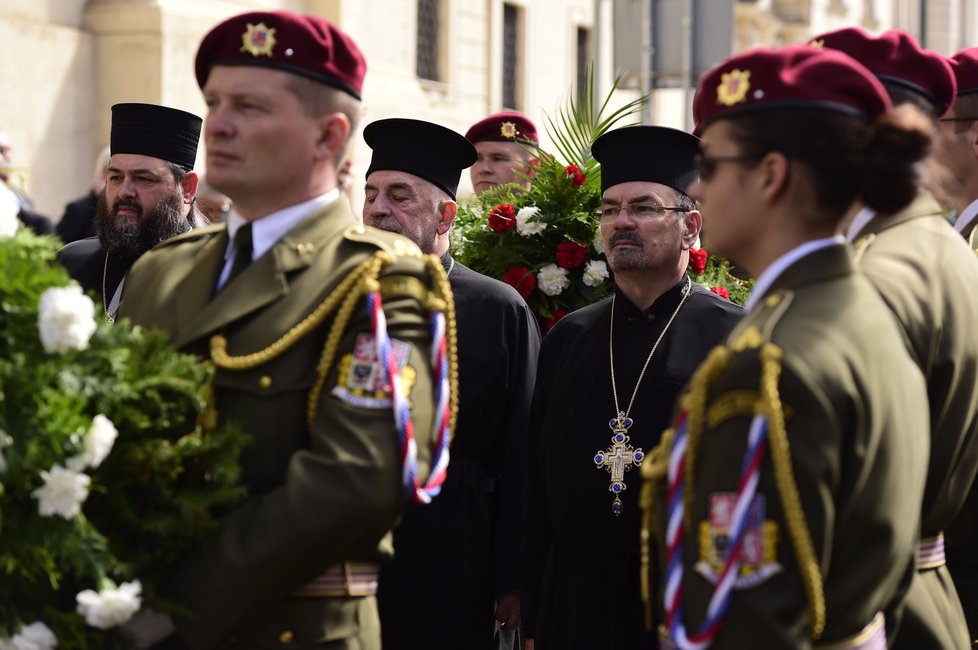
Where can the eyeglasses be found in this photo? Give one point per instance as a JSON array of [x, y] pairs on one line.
[[637, 210], [707, 167]]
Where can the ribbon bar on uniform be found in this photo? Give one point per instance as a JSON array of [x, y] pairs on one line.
[[871, 637], [346, 579]]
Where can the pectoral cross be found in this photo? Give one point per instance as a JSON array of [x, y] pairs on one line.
[[619, 458]]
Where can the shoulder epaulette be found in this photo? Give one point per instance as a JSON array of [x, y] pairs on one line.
[[394, 244], [759, 323], [193, 235]]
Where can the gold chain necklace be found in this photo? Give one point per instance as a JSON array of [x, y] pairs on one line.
[[620, 457], [105, 305]]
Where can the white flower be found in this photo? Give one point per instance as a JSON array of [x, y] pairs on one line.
[[526, 227], [9, 207], [595, 273], [36, 636], [63, 492], [65, 319], [110, 607], [599, 245], [98, 443], [552, 280]]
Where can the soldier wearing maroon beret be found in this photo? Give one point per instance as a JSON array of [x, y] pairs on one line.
[[504, 143], [927, 277], [331, 465], [785, 499], [957, 145]]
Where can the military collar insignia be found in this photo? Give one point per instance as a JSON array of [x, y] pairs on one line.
[[508, 130], [258, 40], [733, 87]]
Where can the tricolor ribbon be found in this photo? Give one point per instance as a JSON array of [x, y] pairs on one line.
[[746, 490], [401, 405]]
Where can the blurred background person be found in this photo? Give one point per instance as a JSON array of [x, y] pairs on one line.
[[503, 142], [11, 193], [78, 220], [213, 206]]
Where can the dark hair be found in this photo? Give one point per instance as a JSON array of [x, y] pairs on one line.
[[847, 158], [179, 174], [685, 203], [901, 95]]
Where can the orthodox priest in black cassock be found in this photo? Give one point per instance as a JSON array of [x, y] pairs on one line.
[[583, 516], [454, 557]]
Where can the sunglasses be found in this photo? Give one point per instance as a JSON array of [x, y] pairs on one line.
[[706, 166]]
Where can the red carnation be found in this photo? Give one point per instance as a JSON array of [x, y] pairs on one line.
[[555, 316], [697, 260], [521, 279], [721, 291], [571, 255], [575, 171], [502, 218]]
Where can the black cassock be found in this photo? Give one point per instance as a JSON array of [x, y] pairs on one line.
[[452, 556], [85, 261], [583, 583]]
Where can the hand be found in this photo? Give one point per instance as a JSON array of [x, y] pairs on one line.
[[508, 610]]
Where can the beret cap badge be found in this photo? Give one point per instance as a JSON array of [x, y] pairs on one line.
[[258, 40], [508, 130], [733, 87]]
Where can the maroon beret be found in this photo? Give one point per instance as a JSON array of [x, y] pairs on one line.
[[965, 67], [896, 57], [796, 76], [503, 127], [305, 45]]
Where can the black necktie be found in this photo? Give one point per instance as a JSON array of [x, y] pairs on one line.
[[242, 252]]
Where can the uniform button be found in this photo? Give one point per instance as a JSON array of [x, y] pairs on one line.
[[286, 637], [265, 382]]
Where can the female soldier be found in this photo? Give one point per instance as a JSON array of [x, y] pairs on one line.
[[787, 496]]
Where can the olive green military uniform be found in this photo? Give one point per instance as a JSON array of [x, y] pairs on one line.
[[926, 275], [821, 357], [321, 496]]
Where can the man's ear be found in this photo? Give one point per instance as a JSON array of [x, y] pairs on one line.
[[693, 224], [334, 131], [188, 188], [446, 215]]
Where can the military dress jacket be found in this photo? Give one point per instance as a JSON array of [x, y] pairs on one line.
[[927, 276], [319, 494], [455, 555], [854, 412], [582, 568]]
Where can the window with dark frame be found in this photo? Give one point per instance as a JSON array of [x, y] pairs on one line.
[[511, 56], [427, 45], [583, 58]]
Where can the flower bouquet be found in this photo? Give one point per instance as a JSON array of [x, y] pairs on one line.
[[107, 470], [713, 272], [544, 241]]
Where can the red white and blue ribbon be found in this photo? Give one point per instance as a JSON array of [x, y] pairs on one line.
[[746, 490], [402, 409]]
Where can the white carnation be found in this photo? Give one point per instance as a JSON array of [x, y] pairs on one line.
[[595, 273], [526, 227], [36, 636], [98, 443], [599, 245], [65, 319], [552, 280], [9, 207], [63, 492], [110, 607]]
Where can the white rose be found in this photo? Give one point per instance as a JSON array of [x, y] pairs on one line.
[[552, 280], [599, 245], [595, 273], [110, 607], [526, 227], [36, 636], [63, 492], [9, 207], [98, 443], [65, 319]]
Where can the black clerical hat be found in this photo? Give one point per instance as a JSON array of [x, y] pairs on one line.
[[158, 131], [652, 154], [429, 151]]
